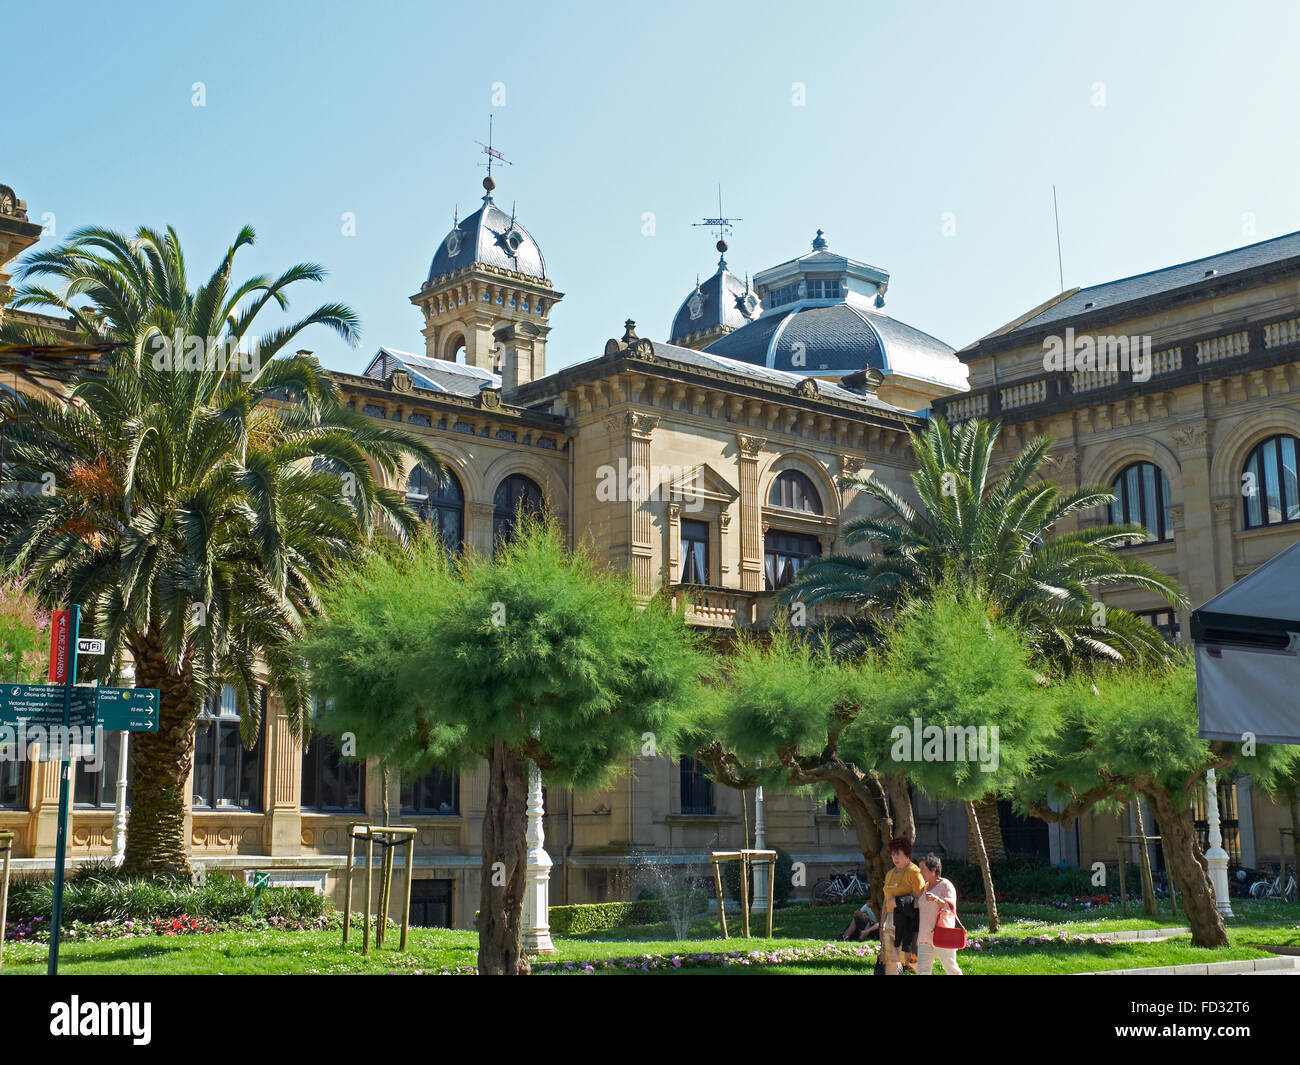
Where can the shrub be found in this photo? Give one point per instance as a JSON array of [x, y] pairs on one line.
[[1020, 878], [603, 916], [95, 895]]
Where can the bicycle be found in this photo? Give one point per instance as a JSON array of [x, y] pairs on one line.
[[841, 886], [1273, 887]]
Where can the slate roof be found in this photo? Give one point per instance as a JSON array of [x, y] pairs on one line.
[[1166, 279], [725, 303], [437, 375], [841, 338], [708, 360], [484, 237]]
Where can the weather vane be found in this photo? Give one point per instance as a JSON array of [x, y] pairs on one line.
[[491, 152], [722, 222]]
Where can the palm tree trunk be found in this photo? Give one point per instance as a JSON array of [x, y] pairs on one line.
[[982, 856], [1188, 868], [990, 826], [504, 875], [160, 768]]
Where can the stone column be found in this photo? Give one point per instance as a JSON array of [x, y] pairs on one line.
[[1216, 857], [537, 905], [285, 813], [761, 870], [751, 532]]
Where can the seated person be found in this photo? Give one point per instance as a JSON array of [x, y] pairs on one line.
[[862, 925]]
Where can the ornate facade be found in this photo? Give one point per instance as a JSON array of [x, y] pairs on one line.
[[707, 468]]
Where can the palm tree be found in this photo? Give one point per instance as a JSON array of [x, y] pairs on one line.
[[997, 538], [197, 499]]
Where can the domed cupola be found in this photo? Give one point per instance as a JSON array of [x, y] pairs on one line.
[[823, 316], [487, 300], [715, 308], [488, 237]]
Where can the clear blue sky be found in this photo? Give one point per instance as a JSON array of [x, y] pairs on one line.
[[912, 110]]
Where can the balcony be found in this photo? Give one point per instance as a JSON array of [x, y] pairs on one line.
[[732, 608]]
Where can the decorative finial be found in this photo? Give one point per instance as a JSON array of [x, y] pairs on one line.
[[819, 242], [455, 217], [629, 332]]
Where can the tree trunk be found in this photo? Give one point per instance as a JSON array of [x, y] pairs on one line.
[[1144, 862], [1188, 869], [160, 768], [982, 856], [1293, 801], [505, 866], [900, 806], [872, 826], [990, 826]]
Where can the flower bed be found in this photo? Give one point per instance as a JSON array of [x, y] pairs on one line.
[[37, 929]]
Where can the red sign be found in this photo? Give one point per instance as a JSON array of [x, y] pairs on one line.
[[60, 631]]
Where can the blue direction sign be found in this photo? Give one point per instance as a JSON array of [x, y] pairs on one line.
[[41, 705], [113, 709], [128, 709]]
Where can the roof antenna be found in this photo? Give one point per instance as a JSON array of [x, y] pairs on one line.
[[1060, 265]]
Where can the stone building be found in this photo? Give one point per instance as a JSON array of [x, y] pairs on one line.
[[706, 466]]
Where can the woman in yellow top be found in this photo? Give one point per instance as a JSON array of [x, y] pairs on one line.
[[902, 880]]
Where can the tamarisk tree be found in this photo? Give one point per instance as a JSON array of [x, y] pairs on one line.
[[1127, 735], [536, 654]]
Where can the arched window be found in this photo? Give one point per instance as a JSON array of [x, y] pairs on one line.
[[793, 490], [1268, 482], [1142, 498], [515, 494], [439, 501]]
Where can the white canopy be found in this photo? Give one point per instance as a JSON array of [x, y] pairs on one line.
[[1247, 642]]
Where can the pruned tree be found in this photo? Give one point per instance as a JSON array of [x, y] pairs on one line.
[[536, 654], [1131, 734]]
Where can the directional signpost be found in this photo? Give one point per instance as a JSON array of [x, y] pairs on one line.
[[65, 704]]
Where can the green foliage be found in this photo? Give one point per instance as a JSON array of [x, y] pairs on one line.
[[994, 538], [605, 916], [23, 635], [1126, 731], [786, 693], [100, 894], [955, 669], [426, 660], [191, 517], [1022, 879]]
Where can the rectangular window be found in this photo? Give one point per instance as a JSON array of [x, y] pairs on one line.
[[437, 792], [696, 788], [695, 552], [330, 781], [97, 789], [13, 784], [784, 554], [226, 776], [1164, 620]]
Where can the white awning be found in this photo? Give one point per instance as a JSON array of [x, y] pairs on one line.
[[1247, 643]]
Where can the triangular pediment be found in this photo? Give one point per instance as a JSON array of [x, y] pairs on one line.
[[703, 482]]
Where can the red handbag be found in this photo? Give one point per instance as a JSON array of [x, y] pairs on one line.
[[950, 938]]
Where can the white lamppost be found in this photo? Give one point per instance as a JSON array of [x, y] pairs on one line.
[[537, 903], [119, 803], [1216, 857], [760, 841]]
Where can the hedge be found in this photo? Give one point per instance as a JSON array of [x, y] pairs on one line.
[[603, 916]]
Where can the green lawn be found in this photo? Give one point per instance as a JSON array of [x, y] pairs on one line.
[[230, 953]]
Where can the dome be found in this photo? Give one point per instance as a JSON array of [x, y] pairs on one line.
[[488, 237], [822, 317], [721, 304]]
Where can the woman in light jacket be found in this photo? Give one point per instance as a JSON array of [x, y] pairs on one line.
[[938, 906]]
